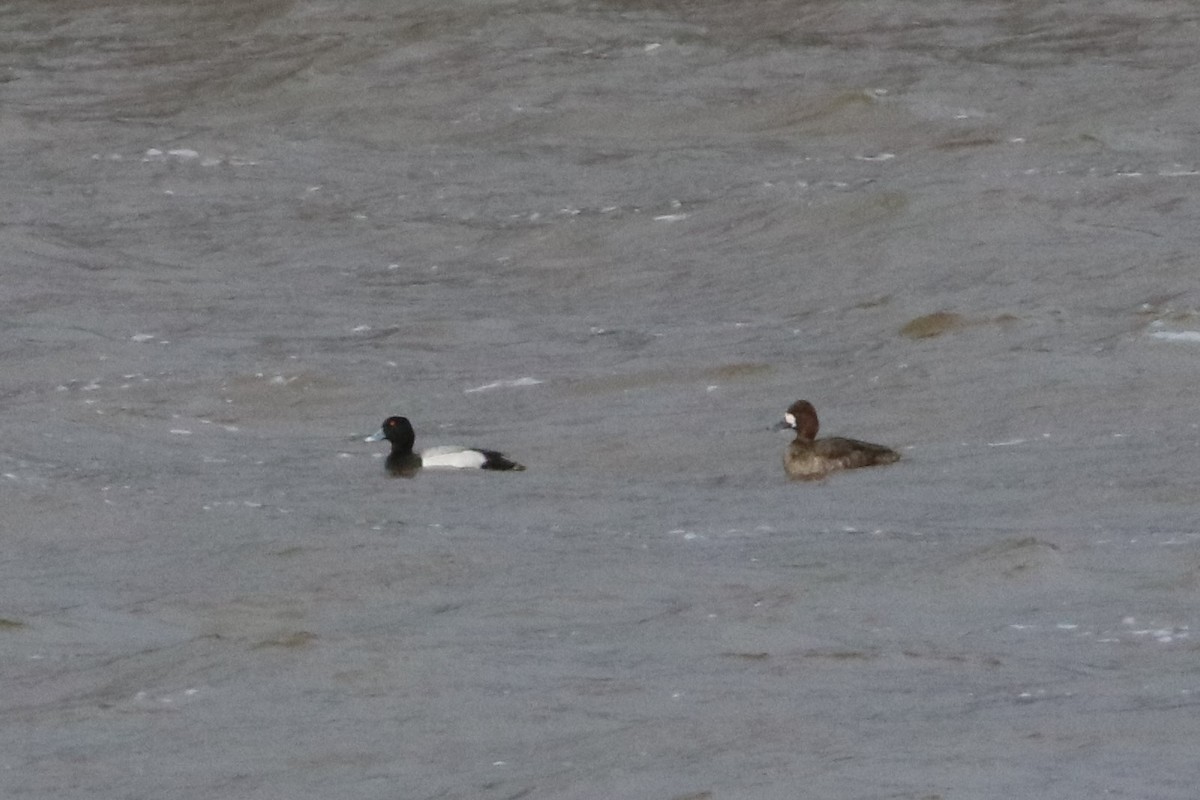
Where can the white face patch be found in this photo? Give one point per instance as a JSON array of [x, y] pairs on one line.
[[790, 419]]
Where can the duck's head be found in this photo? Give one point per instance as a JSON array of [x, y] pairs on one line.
[[397, 430], [800, 417]]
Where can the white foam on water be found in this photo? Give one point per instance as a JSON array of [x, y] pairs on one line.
[[504, 385], [1176, 336]]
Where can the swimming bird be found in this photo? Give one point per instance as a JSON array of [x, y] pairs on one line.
[[809, 458], [404, 462]]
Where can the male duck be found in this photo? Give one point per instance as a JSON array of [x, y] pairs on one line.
[[403, 461]]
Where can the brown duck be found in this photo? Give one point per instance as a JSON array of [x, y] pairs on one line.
[[809, 458]]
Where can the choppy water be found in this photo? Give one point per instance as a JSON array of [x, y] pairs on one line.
[[614, 240]]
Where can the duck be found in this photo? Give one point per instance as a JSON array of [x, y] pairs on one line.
[[402, 461], [808, 458]]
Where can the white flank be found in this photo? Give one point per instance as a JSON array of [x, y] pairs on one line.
[[452, 457]]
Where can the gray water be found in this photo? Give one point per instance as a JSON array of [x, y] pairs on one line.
[[614, 240]]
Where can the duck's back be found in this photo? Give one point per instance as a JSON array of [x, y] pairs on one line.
[[811, 460]]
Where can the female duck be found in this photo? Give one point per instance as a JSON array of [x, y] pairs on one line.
[[809, 458], [404, 462]]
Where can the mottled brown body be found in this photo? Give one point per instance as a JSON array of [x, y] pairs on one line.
[[809, 458]]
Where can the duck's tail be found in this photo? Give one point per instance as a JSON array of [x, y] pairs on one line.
[[499, 461]]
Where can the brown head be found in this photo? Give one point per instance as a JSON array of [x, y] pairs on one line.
[[802, 418]]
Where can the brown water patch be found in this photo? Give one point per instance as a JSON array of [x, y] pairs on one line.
[[939, 322], [874, 209], [953, 658], [1161, 309], [967, 142], [822, 107], [845, 113], [246, 396], [934, 324], [11, 624]]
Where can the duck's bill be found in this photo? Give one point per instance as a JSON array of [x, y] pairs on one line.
[[782, 425], [377, 436]]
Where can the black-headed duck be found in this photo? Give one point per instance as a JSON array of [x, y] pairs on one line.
[[404, 462]]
